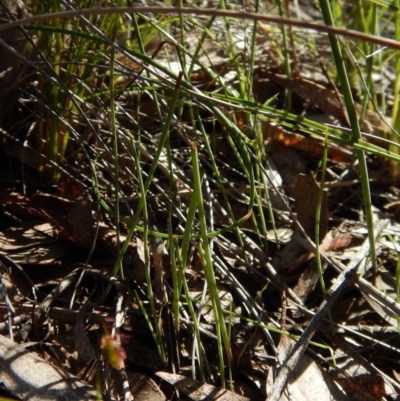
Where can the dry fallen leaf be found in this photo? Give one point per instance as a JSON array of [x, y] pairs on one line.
[[33, 243], [278, 135], [366, 387], [309, 278], [82, 344], [80, 222], [306, 193], [143, 388], [197, 391], [327, 100], [308, 382], [27, 376]]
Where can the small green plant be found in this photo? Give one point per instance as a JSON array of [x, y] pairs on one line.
[[72, 74], [148, 130]]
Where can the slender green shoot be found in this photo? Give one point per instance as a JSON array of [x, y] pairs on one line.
[[205, 254], [355, 127]]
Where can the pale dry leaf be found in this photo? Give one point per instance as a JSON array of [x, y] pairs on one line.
[[197, 391], [31, 234], [143, 388], [307, 382], [280, 235], [32, 244], [277, 196], [388, 315], [227, 302], [29, 377]]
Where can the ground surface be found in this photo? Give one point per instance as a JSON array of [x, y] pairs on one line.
[[147, 315]]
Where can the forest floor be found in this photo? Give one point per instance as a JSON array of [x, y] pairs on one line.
[[186, 246]]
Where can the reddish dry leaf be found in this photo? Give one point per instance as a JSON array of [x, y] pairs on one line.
[[293, 255], [9, 198], [14, 203], [197, 391], [308, 280], [70, 189], [314, 146], [51, 208], [80, 222], [82, 344], [306, 194], [366, 387], [335, 240], [327, 100], [241, 357], [72, 220]]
